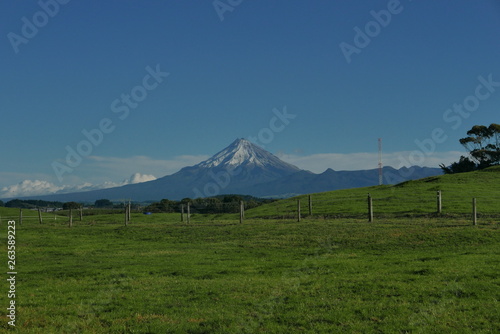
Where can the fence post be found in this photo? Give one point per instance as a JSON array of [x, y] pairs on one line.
[[242, 211], [188, 213], [310, 205], [182, 213], [81, 212], [21, 216], [474, 212], [129, 212], [439, 202], [370, 208], [70, 217], [39, 216], [298, 210]]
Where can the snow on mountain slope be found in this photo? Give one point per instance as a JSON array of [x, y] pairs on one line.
[[242, 153]]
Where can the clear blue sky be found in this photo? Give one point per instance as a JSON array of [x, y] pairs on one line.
[[226, 77]]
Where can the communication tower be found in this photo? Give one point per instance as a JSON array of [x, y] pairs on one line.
[[380, 173]]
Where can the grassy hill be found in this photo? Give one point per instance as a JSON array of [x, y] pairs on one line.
[[411, 197]]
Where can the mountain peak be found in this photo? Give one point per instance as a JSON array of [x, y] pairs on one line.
[[242, 152]]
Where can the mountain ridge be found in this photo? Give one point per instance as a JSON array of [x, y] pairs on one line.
[[241, 168]]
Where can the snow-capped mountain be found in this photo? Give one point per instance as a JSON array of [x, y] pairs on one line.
[[235, 169], [242, 153], [241, 168]]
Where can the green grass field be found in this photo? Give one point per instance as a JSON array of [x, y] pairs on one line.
[[418, 274], [408, 198]]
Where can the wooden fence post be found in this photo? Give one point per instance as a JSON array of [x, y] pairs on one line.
[[188, 213], [129, 211], [298, 210], [81, 212], [70, 217], [126, 214], [242, 211], [439, 202], [474, 212], [182, 213], [310, 206], [370, 209], [40, 216]]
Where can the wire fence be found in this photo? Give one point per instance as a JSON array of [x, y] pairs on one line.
[[303, 207], [372, 207]]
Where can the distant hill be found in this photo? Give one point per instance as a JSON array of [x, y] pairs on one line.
[[409, 197], [247, 169], [305, 182]]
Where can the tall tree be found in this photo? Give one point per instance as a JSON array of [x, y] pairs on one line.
[[483, 146]]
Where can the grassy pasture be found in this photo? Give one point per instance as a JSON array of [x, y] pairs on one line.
[[409, 198], [317, 276]]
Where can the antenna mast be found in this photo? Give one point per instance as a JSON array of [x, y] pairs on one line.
[[380, 173]]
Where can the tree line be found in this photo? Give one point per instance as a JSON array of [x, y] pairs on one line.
[[31, 204], [217, 204]]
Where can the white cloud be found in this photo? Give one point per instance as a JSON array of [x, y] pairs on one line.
[[318, 163], [139, 178], [36, 187], [7, 178]]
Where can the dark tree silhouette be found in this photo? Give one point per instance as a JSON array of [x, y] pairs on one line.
[[483, 146]]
